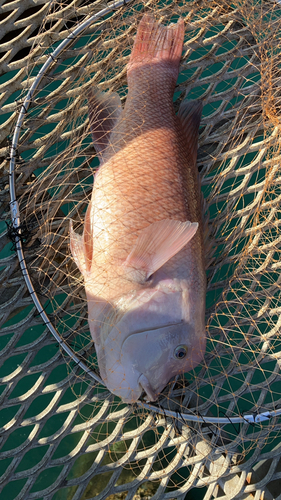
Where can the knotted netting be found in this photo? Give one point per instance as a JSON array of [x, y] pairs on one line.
[[210, 426]]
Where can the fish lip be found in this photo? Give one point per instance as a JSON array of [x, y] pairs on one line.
[[144, 383]]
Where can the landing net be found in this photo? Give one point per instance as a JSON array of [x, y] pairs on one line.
[[208, 422]]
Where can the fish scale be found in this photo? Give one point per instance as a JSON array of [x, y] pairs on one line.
[[138, 185], [142, 252]]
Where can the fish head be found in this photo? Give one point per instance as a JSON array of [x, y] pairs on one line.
[[159, 355], [146, 349]]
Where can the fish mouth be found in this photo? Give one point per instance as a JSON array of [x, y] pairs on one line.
[[144, 383]]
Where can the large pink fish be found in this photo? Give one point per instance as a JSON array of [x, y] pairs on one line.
[[141, 253]]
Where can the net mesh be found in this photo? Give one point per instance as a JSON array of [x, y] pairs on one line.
[[231, 62]]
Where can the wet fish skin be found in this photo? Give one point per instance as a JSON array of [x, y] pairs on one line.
[[142, 261]]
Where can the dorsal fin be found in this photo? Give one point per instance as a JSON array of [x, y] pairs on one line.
[[190, 116], [104, 113]]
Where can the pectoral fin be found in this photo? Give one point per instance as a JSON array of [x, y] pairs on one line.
[[98, 312], [82, 246], [77, 249], [157, 244], [88, 239]]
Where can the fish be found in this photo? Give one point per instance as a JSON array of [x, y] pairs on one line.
[[141, 253]]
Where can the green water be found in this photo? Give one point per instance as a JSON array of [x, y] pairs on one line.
[[54, 424]]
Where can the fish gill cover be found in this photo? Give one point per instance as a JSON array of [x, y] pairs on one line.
[[231, 62]]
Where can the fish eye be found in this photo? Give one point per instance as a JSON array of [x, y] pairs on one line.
[[180, 351]]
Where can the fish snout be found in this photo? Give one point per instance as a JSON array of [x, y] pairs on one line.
[[151, 395], [127, 383], [120, 378], [130, 395]]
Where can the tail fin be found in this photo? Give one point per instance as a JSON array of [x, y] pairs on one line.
[[155, 43]]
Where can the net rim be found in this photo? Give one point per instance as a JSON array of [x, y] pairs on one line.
[[251, 419]]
